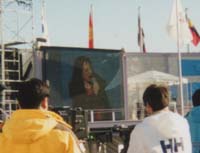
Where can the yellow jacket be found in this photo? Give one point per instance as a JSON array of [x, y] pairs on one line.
[[37, 131]]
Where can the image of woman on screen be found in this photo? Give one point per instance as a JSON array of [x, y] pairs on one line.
[[87, 88]]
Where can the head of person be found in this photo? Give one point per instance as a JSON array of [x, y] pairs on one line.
[[82, 72], [33, 94], [83, 68], [155, 98], [196, 98]]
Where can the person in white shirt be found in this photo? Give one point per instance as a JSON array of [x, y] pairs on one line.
[[162, 131]]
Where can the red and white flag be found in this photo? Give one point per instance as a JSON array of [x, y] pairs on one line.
[[195, 34]]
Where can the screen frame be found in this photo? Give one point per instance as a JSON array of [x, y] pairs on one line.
[[46, 49]]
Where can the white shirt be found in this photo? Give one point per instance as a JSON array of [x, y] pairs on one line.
[[163, 132]]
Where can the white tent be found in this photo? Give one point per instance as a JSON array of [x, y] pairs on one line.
[[138, 83], [149, 77]]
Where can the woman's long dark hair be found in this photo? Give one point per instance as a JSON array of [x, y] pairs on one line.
[[76, 85]]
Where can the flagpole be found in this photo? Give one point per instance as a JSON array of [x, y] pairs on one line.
[[179, 62], [188, 48], [44, 23], [140, 31], [188, 45]]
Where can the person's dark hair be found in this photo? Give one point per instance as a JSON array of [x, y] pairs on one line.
[[156, 96], [76, 85], [196, 98], [31, 93]]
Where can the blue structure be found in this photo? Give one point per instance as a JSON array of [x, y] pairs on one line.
[[191, 69]]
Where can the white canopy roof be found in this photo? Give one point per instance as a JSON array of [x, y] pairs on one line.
[[155, 77]]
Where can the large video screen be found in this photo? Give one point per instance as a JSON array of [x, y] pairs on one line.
[[78, 77]]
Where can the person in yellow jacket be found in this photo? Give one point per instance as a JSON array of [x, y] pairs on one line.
[[34, 129]]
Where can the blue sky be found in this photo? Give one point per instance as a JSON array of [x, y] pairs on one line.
[[115, 23]]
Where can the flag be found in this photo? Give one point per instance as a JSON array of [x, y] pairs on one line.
[[178, 20], [44, 25], [91, 35], [141, 43], [195, 34]]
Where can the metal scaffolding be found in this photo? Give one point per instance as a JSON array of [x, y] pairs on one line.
[[17, 38]]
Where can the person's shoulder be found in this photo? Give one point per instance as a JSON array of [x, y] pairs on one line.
[[66, 136], [173, 114], [178, 118], [63, 131], [62, 138], [141, 126], [58, 137], [62, 128]]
